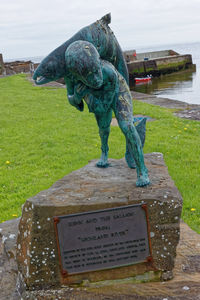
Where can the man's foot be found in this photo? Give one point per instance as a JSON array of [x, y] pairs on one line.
[[143, 180], [103, 162]]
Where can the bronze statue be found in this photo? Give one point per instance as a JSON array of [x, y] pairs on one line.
[[104, 90], [102, 84]]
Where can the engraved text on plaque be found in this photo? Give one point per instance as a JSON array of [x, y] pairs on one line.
[[103, 239]]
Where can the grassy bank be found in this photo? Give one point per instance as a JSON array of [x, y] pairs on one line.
[[43, 138]]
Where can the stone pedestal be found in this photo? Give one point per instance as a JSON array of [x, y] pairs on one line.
[[92, 189]]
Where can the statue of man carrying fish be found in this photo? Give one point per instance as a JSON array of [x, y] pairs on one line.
[[95, 72]]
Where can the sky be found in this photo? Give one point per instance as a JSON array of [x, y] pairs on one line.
[[35, 28]]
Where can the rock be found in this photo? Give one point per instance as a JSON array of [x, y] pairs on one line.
[[191, 114], [163, 102], [184, 109], [91, 189], [8, 264], [120, 289]]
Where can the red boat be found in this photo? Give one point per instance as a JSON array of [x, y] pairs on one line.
[[142, 79]]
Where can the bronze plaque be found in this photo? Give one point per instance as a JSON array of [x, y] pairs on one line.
[[103, 239]]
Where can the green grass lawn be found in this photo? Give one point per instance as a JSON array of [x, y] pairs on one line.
[[42, 138]]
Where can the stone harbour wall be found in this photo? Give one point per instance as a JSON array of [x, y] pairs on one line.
[[16, 67], [160, 66]]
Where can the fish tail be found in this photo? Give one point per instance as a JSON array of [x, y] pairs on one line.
[[106, 19]]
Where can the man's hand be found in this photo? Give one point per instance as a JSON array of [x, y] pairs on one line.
[[80, 90], [79, 106]]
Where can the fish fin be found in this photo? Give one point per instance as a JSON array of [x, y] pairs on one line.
[[106, 19]]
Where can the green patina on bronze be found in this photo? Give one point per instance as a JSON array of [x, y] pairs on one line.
[[102, 84], [100, 35], [104, 90]]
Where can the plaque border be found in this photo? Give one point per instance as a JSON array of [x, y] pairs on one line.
[[149, 259]]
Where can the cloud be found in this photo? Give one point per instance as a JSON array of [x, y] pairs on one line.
[[36, 27]]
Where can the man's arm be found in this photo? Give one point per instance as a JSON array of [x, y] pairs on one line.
[[75, 93], [107, 93]]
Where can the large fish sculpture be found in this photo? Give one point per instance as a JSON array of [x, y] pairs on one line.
[[100, 35]]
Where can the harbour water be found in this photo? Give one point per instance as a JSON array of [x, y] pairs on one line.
[[184, 85]]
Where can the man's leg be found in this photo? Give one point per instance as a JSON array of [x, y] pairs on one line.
[[141, 130], [103, 122], [129, 157], [124, 115], [135, 148]]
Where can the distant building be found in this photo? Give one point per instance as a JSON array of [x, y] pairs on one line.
[[15, 67], [1, 64], [130, 55]]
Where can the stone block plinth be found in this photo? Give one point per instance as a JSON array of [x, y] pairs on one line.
[[92, 189]]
